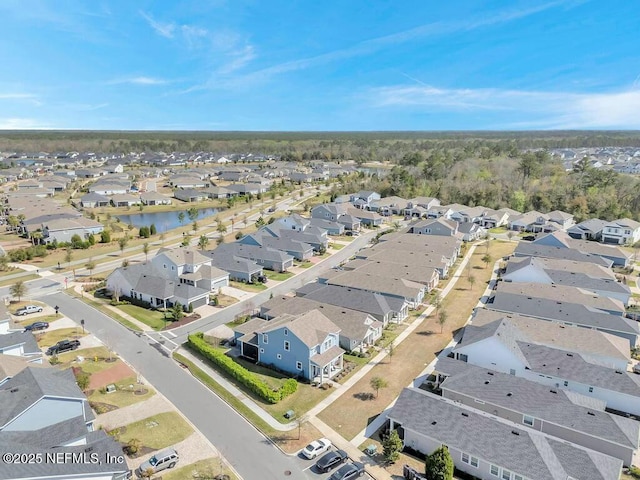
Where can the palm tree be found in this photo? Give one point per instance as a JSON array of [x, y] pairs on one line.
[[203, 241], [36, 237]]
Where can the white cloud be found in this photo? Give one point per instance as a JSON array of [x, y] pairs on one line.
[[550, 110], [24, 97], [22, 124], [238, 59], [140, 80], [373, 45], [166, 30]]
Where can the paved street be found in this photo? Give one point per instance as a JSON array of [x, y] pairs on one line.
[[250, 453], [245, 448]]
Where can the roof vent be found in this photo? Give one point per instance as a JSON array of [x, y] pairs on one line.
[[434, 422], [88, 449], [509, 394], [490, 373], [515, 432], [486, 382], [591, 413], [14, 390], [553, 391], [569, 354], [464, 414]]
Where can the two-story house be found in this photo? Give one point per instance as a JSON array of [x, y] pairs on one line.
[[305, 345], [621, 232]]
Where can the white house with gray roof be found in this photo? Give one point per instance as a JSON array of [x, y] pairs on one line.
[[561, 413], [490, 448], [20, 344], [567, 313], [501, 346]]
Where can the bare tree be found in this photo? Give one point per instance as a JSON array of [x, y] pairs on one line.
[[442, 319]]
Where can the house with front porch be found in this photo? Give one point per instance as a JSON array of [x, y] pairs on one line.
[[435, 226], [621, 232], [305, 345], [358, 330]]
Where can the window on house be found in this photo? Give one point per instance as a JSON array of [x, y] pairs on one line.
[[528, 420], [506, 474], [164, 265], [474, 462], [265, 338], [512, 371], [519, 477], [494, 470], [566, 383], [298, 365], [465, 458], [590, 389], [286, 332], [286, 346]]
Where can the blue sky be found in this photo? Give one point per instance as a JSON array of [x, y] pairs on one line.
[[331, 65]]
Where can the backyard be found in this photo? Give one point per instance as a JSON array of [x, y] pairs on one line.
[[350, 413]]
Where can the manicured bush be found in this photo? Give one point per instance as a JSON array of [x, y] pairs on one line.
[[239, 373]]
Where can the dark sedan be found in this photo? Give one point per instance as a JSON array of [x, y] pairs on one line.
[[347, 472], [32, 327], [331, 460]]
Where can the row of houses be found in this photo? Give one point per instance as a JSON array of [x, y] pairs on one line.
[[51, 220], [540, 386], [355, 303], [43, 414]]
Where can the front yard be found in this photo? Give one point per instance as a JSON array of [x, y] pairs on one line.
[[208, 468], [156, 432], [278, 276], [153, 318], [127, 393], [48, 338], [248, 287]]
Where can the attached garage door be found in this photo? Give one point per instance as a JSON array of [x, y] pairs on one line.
[[611, 240], [220, 283], [200, 302]]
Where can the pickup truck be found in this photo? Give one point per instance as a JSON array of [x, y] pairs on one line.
[[63, 346], [26, 310]]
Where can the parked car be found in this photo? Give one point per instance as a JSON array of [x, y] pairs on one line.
[[636, 368], [351, 233], [262, 278], [347, 472], [331, 460], [160, 461], [529, 238], [316, 447], [63, 346], [26, 310], [271, 209], [32, 327]]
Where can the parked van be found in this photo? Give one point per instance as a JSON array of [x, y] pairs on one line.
[[160, 461]]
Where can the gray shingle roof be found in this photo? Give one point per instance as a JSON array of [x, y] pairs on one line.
[[530, 398], [531, 329], [574, 367], [30, 385], [373, 303], [16, 338], [520, 450], [562, 312], [526, 249]]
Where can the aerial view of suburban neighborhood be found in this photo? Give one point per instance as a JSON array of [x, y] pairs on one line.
[[410, 267]]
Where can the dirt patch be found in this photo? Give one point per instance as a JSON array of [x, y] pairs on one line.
[[141, 391], [100, 407], [111, 375], [182, 321]]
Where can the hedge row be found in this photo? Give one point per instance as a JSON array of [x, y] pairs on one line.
[[239, 373]]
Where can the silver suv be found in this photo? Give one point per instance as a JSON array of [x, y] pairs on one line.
[[160, 461]]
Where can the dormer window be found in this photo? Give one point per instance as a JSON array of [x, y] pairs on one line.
[[286, 332]]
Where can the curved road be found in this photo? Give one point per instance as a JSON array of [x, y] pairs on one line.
[[250, 453]]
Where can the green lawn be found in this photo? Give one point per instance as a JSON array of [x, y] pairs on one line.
[[248, 287], [99, 353], [29, 319], [46, 339], [158, 431], [101, 306], [23, 278], [278, 276], [124, 395], [305, 264], [153, 318], [207, 468], [498, 230], [337, 246]]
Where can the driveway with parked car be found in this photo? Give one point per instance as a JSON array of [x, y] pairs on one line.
[[326, 466]]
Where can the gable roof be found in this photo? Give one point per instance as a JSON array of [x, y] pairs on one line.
[[30, 385], [376, 283], [561, 407], [184, 256], [564, 337], [520, 450], [361, 300], [20, 338], [562, 312], [527, 249]]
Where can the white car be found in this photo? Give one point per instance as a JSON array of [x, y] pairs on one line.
[[28, 309], [317, 447]]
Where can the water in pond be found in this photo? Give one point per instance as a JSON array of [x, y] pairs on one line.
[[165, 221]]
